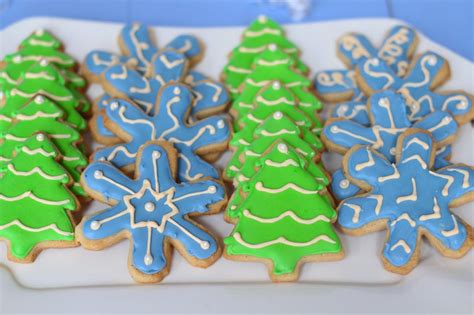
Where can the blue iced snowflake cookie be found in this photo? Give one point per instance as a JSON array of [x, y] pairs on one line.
[[408, 198], [168, 122], [153, 211]]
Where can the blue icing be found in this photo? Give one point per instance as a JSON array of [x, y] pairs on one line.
[[341, 187], [354, 48], [442, 157], [151, 208], [353, 110], [168, 123], [136, 43], [378, 75], [188, 45], [409, 195], [389, 119], [98, 61], [99, 119]]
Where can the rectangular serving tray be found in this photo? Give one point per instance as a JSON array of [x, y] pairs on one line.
[[78, 280]]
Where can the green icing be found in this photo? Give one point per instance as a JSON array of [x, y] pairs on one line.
[[35, 200], [37, 53], [41, 114], [280, 219], [270, 66], [61, 95], [271, 130], [41, 38], [262, 33]]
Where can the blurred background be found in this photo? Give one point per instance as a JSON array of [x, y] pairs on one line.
[[449, 22]]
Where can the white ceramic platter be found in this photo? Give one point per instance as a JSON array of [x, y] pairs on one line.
[[81, 281]]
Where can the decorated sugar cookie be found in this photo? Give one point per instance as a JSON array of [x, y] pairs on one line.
[[41, 114], [68, 101], [41, 38], [35, 202], [409, 199], [388, 119], [256, 38], [153, 211], [274, 65], [276, 127], [137, 46], [283, 235], [428, 71], [253, 164], [275, 97], [169, 122], [396, 50], [166, 67]]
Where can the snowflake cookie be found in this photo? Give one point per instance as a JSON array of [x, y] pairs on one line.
[[388, 119], [136, 43], [396, 50], [153, 211], [408, 198], [427, 72], [169, 123]]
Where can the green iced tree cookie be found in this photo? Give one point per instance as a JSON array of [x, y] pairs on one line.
[[17, 96], [252, 165], [276, 127], [284, 220], [262, 33], [35, 201], [274, 65], [41, 114], [41, 38]]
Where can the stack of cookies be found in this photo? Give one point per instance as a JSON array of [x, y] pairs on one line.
[[276, 157], [41, 151], [395, 133], [161, 125]]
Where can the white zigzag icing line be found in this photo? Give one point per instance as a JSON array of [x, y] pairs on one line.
[[282, 240]]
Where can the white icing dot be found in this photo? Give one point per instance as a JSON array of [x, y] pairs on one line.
[[221, 124], [414, 107], [341, 110], [374, 61], [462, 105], [344, 183], [148, 260], [283, 148], [2, 95], [95, 225], [39, 99], [212, 189], [43, 62], [432, 60], [276, 85], [383, 102], [114, 105], [40, 137], [98, 174], [272, 47], [156, 154], [278, 115], [262, 18], [176, 91], [334, 129], [149, 206], [205, 245], [17, 59], [39, 32], [393, 151]]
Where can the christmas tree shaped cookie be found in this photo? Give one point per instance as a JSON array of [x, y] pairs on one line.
[[68, 101], [41, 38], [274, 65], [253, 164], [41, 114], [256, 38], [284, 222], [35, 201], [274, 128], [275, 97]]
